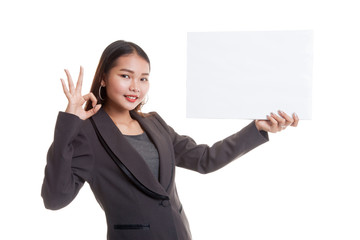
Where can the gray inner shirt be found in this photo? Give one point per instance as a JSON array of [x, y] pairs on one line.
[[144, 146]]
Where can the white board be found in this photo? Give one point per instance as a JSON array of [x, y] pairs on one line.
[[249, 74]]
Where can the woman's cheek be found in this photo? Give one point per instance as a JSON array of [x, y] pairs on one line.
[[145, 89], [119, 88]]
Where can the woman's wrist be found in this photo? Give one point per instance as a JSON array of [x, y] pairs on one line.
[[258, 126]]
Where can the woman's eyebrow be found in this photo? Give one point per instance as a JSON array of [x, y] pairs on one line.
[[126, 70], [131, 71]]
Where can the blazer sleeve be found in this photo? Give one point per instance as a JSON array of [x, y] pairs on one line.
[[205, 159], [69, 162]]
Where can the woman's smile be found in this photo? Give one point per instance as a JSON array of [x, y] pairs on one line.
[[131, 98]]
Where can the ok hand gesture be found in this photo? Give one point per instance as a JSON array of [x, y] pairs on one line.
[[76, 100]]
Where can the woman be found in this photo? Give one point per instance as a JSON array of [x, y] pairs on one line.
[[128, 157]]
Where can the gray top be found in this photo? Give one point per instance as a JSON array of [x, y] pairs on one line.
[[144, 146]]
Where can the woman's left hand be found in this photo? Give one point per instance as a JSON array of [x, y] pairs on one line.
[[277, 123]]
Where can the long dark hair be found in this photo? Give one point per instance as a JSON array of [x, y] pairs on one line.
[[107, 61]]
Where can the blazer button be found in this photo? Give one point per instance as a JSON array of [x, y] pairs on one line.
[[165, 203]]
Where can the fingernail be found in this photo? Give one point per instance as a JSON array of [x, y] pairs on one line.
[[281, 112]]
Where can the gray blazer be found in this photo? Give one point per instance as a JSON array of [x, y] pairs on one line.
[[137, 205]]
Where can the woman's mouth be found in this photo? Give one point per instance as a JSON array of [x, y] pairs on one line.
[[131, 98]]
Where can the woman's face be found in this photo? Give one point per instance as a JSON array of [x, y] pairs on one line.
[[127, 83]]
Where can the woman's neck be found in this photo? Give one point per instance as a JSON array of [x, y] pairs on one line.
[[123, 121]]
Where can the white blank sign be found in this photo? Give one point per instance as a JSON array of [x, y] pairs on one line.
[[249, 74]]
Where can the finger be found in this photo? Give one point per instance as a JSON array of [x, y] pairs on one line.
[[90, 96], [93, 99], [288, 119], [80, 80], [272, 120], [296, 120], [70, 81], [66, 91], [280, 120], [92, 111], [273, 124]]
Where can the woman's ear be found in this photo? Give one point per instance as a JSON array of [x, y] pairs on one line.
[[103, 81]]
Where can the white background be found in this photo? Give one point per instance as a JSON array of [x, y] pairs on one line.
[[303, 184]]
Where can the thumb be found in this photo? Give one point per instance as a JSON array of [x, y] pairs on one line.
[[94, 110]]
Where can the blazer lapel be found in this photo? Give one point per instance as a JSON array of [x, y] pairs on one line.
[[125, 152], [159, 137]]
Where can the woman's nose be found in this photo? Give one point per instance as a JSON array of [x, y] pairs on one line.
[[134, 86]]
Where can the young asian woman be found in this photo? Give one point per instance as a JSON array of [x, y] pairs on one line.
[[129, 157]]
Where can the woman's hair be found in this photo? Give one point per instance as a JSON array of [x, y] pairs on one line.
[[108, 61]]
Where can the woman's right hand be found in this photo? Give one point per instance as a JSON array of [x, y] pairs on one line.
[[76, 100]]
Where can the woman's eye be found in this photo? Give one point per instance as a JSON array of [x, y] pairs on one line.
[[144, 79], [125, 76]]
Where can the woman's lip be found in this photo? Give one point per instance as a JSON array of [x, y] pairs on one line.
[[131, 98]]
